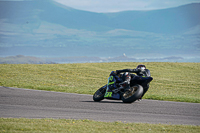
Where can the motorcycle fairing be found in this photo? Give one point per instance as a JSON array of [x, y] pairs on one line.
[[110, 86], [110, 95]]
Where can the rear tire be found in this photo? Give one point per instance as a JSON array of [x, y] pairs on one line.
[[132, 94], [99, 94]]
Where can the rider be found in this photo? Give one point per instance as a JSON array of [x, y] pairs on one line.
[[141, 72]]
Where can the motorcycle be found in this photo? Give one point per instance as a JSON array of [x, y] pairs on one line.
[[121, 92]]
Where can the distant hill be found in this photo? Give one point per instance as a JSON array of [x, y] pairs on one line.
[[46, 28], [173, 20], [21, 59]]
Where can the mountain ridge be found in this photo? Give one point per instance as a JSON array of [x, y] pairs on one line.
[[149, 21], [38, 27]]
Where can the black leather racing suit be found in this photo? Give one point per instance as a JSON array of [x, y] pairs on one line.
[[139, 77]]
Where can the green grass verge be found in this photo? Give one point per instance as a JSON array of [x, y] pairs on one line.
[[10, 125], [172, 81]]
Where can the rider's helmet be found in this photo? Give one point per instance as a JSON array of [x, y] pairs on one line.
[[141, 67]]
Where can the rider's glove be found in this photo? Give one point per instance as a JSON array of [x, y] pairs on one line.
[[137, 70]]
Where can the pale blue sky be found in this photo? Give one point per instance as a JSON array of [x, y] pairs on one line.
[[123, 5], [120, 5]]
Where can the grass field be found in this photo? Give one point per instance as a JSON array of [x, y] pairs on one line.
[[10, 125], [171, 81]]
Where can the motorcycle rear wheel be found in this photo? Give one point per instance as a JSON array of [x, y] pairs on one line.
[[99, 94], [132, 94]]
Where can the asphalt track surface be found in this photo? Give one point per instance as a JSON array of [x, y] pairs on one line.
[[25, 103]]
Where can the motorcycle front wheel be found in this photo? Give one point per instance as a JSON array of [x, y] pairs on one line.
[[99, 94], [132, 94]]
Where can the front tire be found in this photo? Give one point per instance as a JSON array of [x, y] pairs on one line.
[[132, 94], [99, 94]]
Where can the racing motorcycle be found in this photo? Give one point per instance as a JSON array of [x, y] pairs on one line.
[[121, 92]]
